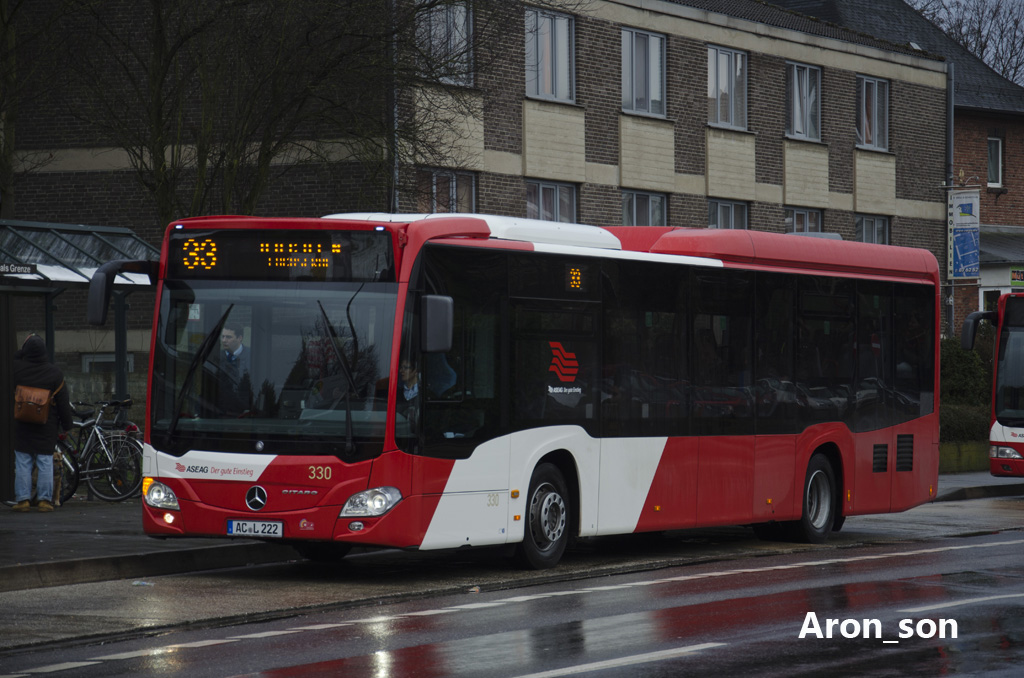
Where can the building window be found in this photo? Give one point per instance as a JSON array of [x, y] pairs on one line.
[[445, 191], [995, 161], [550, 201], [799, 220], [549, 55], [444, 33], [727, 214], [727, 87], [872, 113], [873, 229], [803, 104], [643, 209], [643, 72]]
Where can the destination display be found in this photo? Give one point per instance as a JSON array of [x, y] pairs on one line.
[[281, 255]]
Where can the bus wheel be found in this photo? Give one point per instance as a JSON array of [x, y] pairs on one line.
[[547, 520], [322, 552], [819, 501]]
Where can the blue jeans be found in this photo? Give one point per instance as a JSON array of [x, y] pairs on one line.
[[23, 463]]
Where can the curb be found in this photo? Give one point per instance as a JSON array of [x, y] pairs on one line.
[[150, 564], [984, 492]]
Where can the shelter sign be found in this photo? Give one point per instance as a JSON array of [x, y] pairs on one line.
[[8, 268]]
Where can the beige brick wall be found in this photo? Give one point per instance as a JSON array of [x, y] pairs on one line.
[[874, 182], [730, 163], [647, 153], [554, 146], [806, 174], [458, 126]]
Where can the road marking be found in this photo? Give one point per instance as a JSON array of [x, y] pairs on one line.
[[958, 603], [320, 627], [646, 658], [476, 606], [67, 666], [264, 634], [837, 561], [201, 643], [375, 620], [130, 655]]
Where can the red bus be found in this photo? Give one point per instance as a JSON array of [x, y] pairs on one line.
[[440, 381], [1006, 431]]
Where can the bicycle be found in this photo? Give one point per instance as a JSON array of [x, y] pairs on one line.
[[108, 459]]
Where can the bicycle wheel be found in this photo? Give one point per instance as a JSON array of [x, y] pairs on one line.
[[114, 473], [68, 470]]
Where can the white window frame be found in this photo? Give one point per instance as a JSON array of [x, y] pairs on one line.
[[803, 220], [723, 64], [724, 213], [550, 62], [452, 186], [872, 228], [803, 101], [999, 162], [445, 35], [560, 198], [643, 72], [640, 208], [872, 113]]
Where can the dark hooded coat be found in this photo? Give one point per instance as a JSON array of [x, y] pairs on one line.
[[32, 367]]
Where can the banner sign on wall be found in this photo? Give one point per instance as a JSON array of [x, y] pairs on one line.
[[963, 234]]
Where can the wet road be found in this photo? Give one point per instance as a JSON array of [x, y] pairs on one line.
[[740, 611]]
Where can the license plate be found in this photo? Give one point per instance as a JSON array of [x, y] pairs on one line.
[[255, 528]]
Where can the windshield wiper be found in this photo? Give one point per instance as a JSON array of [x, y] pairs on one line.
[[204, 350], [350, 444]]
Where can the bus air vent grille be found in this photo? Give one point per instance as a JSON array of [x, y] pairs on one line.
[[880, 459], [905, 452]]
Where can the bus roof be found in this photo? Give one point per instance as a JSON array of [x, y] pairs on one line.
[[787, 251], [507, 228]]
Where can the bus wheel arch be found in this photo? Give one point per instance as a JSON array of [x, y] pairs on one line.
[[820, 499], [835, 457], [551, 513]]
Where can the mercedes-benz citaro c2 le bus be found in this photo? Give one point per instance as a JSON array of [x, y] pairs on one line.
[[440, 381]]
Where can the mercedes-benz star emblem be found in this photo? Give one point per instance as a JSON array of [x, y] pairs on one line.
[[256, 498]]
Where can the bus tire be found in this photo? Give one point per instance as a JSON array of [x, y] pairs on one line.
[[819, 502], [546, 532]]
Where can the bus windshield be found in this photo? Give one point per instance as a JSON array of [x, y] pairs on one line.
[[276, 367], [1009, 405]]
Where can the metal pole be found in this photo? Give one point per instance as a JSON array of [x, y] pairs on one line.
[[120, 345]]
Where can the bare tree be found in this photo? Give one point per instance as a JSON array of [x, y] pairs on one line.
[[213, 100], [992, 30], [26, 60]]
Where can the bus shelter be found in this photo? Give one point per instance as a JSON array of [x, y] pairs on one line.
[[45, 271]]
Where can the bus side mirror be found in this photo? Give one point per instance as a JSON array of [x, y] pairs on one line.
[[437, 318], [970, 328], [102, 285]]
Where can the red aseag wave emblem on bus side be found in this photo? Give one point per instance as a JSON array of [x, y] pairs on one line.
[[563, 363]]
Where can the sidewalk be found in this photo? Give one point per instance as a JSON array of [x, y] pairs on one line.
[[86, 541]]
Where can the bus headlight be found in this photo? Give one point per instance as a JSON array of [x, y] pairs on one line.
[[375, 502], [159, 495], [997, 452]]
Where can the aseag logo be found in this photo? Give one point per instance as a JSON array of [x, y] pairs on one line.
[[563, 363]]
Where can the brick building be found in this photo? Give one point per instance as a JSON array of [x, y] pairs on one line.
[[698, 113], [988, 144]]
